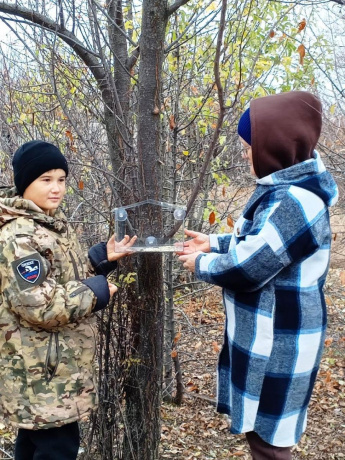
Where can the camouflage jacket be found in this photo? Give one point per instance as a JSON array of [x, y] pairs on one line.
[[47, 336]]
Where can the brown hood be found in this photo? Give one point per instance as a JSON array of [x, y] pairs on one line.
[[284, 130]]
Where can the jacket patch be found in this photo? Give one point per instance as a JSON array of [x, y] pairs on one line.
[[29, 270]]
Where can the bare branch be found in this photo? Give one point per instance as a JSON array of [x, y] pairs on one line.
[[175, 6], [90, 59], [213, 146], [133, 58]]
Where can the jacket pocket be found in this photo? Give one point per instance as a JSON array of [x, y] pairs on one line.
[[79, 290]]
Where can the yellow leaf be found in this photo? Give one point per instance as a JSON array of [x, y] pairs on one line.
[[211, 7], [185, 153]]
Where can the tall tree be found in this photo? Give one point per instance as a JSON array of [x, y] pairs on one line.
[[97, 35]]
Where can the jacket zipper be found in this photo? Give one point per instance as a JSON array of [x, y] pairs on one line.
[[75, 267], [49, 375]]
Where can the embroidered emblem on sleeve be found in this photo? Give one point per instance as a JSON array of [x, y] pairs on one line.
[[29, 270]]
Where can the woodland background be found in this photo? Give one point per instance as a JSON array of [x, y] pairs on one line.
[[143, 98]]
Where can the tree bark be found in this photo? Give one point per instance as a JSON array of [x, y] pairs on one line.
[[144, 387]]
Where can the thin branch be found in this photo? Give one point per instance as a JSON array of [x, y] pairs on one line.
[[33, 18], [213, 145], [175, 6]]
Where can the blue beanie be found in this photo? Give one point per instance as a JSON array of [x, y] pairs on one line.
[[243, 128]]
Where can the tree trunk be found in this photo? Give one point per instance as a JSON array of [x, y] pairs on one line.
[[144, 387]]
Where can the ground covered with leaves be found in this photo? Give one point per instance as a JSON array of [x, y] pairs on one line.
[[195, 431]]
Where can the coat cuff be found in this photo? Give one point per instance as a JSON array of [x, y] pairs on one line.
[[99, 286], [99, 259]]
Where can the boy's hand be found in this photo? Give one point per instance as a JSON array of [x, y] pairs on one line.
[[112, 289], [199, 242], [114, 247], [188, 260]]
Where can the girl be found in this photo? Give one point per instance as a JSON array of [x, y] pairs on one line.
[[272, 270]]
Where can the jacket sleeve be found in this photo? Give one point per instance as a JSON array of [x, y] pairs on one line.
[[291, 231], [99, 259], [35, 295], [220, 243]]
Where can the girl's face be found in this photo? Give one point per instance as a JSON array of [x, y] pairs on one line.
[[247, 155], [48, 190]]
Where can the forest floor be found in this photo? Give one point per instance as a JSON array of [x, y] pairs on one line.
[[195, 431]]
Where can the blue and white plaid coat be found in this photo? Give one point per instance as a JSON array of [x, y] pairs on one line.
[[273, 268]]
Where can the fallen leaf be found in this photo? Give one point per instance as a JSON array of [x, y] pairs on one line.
[[342, 277], [215, 347], [177, 337], [328, 341], [69, 135], [198, 345]]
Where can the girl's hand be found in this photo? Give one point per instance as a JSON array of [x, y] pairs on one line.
[[199, 242], [112, 289], [118, 249], [188, 260]]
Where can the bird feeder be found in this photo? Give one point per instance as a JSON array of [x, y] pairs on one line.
[[152, 222]]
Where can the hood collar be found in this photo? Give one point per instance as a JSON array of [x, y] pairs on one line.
[[310, 175], [13, 206]]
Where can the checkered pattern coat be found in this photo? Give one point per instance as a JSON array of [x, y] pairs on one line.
[[273, 268]]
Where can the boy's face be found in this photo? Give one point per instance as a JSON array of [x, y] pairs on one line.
[[247, 155], [48, 190]]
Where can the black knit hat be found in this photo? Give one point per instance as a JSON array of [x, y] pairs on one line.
[[33, 159]]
